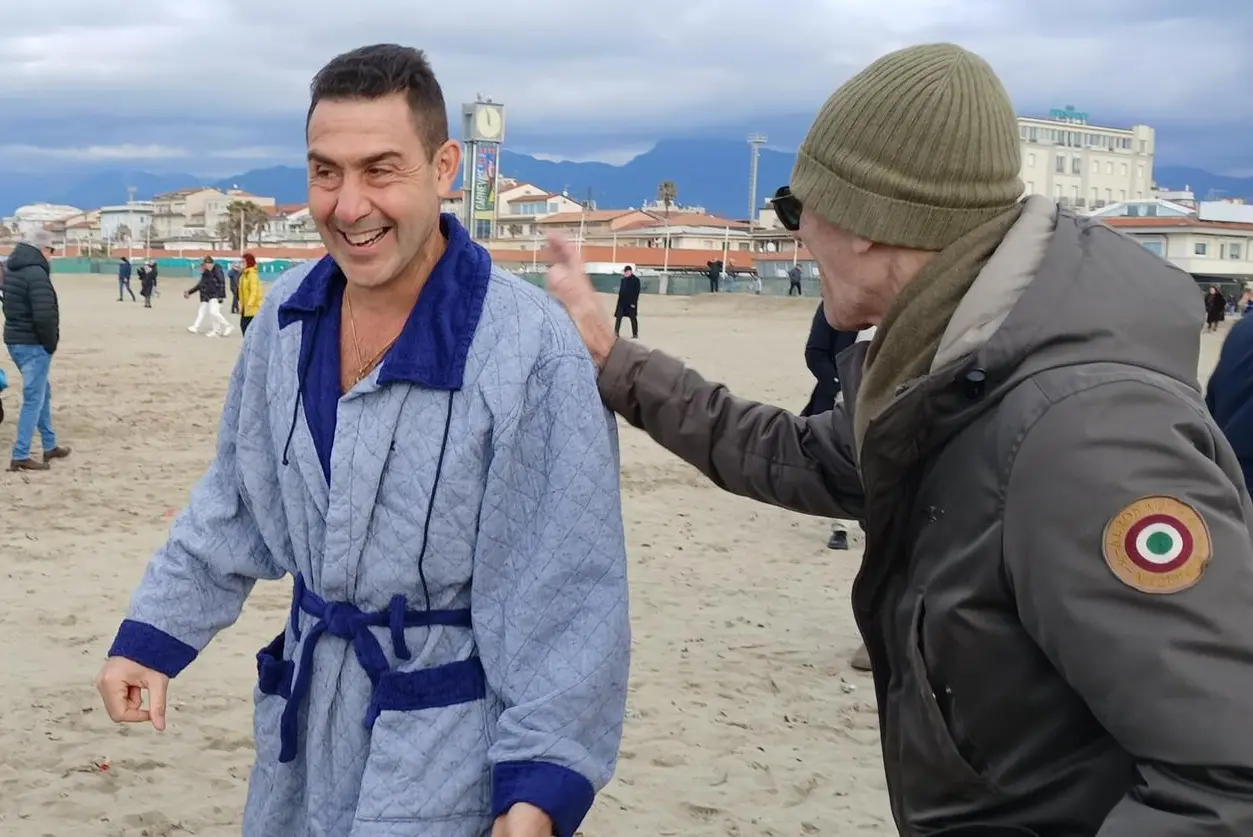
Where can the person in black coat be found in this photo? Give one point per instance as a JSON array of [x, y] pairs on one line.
[[628, 302], [1229, 394], [32, 334], [821, 349]]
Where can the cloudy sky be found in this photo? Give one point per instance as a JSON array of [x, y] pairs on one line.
[[220, 86]]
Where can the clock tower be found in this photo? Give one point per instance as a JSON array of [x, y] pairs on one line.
[[482, 131]]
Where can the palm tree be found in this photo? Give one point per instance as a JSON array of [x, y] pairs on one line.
[[667, 193], [244, 221], [122, 234]]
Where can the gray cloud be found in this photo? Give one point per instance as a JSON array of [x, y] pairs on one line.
[[223, 74]]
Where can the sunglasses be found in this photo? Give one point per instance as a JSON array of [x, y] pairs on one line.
[[788, 208]]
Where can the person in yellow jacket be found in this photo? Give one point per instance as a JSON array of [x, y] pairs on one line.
[[250, 293]]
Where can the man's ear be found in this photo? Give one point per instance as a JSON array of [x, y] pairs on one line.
[[447, 162]]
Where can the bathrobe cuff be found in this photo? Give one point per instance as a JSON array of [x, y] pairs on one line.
[[563, 794], [152, 648]]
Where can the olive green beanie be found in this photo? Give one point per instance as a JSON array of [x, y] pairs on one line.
[[916, 150]]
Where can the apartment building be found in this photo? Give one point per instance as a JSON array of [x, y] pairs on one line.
[[1076, 163]]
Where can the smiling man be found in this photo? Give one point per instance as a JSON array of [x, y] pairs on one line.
[[417, 439]]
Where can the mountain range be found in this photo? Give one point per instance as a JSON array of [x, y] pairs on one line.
[[709, 173]]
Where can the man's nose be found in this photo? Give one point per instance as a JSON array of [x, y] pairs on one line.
[[352, 203]]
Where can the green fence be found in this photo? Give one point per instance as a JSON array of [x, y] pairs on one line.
[[679, 284], [166, 266]]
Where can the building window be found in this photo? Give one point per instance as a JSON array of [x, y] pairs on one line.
[[1144, 146], [1057, 191], [1200, 248], [1060, 167], [482, 229], [1030, 160], [1109, 168], [1122, 194], [1109, 195], [1152, 245], [1030, 187], [1123, 169], [1076, 166], [1094, 196], [1140, 171], [1233, 251], [1096, 167]]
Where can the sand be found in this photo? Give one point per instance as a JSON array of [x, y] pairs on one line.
[[744, 716]]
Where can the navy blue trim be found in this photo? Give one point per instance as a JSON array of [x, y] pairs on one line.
[[348, 622], [563, 794], [274, 674], [152, 648], [432, 348], [429, 688]]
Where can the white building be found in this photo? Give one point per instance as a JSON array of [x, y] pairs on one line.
[[28, 220], [127, 223], [1213, 242], [1082, 165]]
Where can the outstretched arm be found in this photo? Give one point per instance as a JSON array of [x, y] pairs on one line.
[[550, 596], [751, 449]]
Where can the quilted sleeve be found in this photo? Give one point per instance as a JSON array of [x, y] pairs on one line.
[[196, 582], [550, 595]]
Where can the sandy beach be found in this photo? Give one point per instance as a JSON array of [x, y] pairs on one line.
[[744, 716]]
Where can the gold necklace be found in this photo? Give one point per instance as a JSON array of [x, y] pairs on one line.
[[363, 367]]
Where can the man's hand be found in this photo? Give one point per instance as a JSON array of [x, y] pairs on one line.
[[186, 294], [122, 684], [523, 820], [570, 286]]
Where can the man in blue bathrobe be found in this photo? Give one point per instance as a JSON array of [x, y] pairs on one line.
[[416, 438]]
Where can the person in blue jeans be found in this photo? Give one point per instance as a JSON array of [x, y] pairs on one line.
[[32, 330]]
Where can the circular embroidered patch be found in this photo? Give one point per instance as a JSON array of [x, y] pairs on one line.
[[1157, 545]]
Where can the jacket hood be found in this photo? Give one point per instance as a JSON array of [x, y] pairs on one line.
[[1059, 291], [1063, 290], [24, 255]]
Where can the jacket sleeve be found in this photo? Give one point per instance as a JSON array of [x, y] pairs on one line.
[[44, 311], [196, 583], [550, 595], [1124, 488], [755, 450]]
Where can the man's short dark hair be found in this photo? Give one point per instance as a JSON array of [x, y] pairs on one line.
[[373, 72]]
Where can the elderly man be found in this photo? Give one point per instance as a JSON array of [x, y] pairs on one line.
[[1058, 576], [32, 332], [415, 436]]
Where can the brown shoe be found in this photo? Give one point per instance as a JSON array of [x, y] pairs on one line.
[[861, 659], [58, 452], [28, 465]]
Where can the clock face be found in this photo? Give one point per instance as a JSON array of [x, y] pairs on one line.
[[487, 120]]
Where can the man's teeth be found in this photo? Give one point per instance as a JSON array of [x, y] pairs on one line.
[[364, 239]]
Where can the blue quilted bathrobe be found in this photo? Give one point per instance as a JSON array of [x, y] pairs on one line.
[[458, 638]]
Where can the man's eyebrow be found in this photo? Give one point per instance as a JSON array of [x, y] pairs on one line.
[[371, 160]]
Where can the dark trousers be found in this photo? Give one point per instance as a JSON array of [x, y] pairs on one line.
[[713, 284], [635, 324], [124, 287], [243, 324], [235, 301], [794, 286]]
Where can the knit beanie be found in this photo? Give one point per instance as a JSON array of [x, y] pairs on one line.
[[916, 150]]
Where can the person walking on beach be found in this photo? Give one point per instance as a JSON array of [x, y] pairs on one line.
[[1215, 309], [147, 283], [124, 279], [250, 292], [212, 290], [233, 276], [628, 302], [414, 435], [794, 280], [32, 332], [1058, 574]]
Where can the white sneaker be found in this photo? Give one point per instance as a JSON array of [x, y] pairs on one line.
[[227, 332], [213, 334], [192, 329]]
